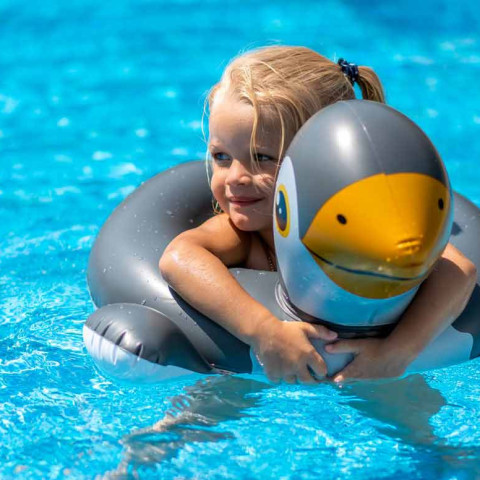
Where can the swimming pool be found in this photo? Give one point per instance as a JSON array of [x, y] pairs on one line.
[[97, 97]]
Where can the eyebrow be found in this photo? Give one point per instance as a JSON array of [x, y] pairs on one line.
[[270, 151], [212, 146]]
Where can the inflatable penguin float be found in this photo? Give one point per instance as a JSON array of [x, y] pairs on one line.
[[363, 210]]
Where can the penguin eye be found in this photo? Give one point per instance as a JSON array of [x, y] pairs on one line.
[[440, 203], [341, 219], [282, 211]]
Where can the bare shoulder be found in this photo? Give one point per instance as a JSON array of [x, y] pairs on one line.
[[454, 255], [218, 228], [220, 237]]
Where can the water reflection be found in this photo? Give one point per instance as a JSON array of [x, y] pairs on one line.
[[401, 411], [192, 418], [404, 409]]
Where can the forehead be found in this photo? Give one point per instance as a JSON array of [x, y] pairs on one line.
[[233, 119], [229, 116]]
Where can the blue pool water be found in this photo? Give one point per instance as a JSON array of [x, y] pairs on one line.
[[96, 97]]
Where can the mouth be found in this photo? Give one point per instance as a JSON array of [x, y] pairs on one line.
[[244, 201], [378, 275]]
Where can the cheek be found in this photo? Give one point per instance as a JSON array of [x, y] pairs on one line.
[[267, 184], [217, 186]]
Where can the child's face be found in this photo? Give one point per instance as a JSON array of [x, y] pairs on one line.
[[243, 189]]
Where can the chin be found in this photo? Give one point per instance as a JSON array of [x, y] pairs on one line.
[[246, 224]]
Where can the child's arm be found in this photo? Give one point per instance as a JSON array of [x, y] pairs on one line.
[[195, 265], [439, 301]]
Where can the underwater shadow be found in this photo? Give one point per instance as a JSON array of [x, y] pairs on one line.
[[190, 419], [405, 408]]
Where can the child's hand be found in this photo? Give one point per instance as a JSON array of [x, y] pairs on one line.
[[374, 358], [286, 353]]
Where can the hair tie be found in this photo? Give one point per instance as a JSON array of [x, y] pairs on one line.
[[350, 70]]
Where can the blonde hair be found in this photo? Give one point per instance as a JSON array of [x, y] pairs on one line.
[[289, 85]]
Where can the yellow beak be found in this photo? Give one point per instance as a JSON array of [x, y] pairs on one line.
[[380, 236]]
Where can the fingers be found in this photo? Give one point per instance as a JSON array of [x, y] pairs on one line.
[[319, 331], [305, 377], [347, 374], [274, 379], [317, 365], [291, 379], [273, 375], [344, 346]]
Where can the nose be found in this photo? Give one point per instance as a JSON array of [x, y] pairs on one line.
[[238, 174]]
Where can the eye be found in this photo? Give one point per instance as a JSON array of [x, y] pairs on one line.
[[440, 203], [341, 219], [220, 157], [282, 211], [261, 157]]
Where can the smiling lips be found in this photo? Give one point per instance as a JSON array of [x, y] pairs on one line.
[[243, 201]]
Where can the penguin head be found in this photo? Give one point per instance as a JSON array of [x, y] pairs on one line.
[[362, 205]]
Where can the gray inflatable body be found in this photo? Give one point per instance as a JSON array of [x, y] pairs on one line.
[[144, 332]]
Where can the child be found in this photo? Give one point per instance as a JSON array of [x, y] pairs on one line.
[[261, 101]]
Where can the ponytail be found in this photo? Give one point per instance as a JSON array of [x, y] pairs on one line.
[[366, 79], [370, 85]]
